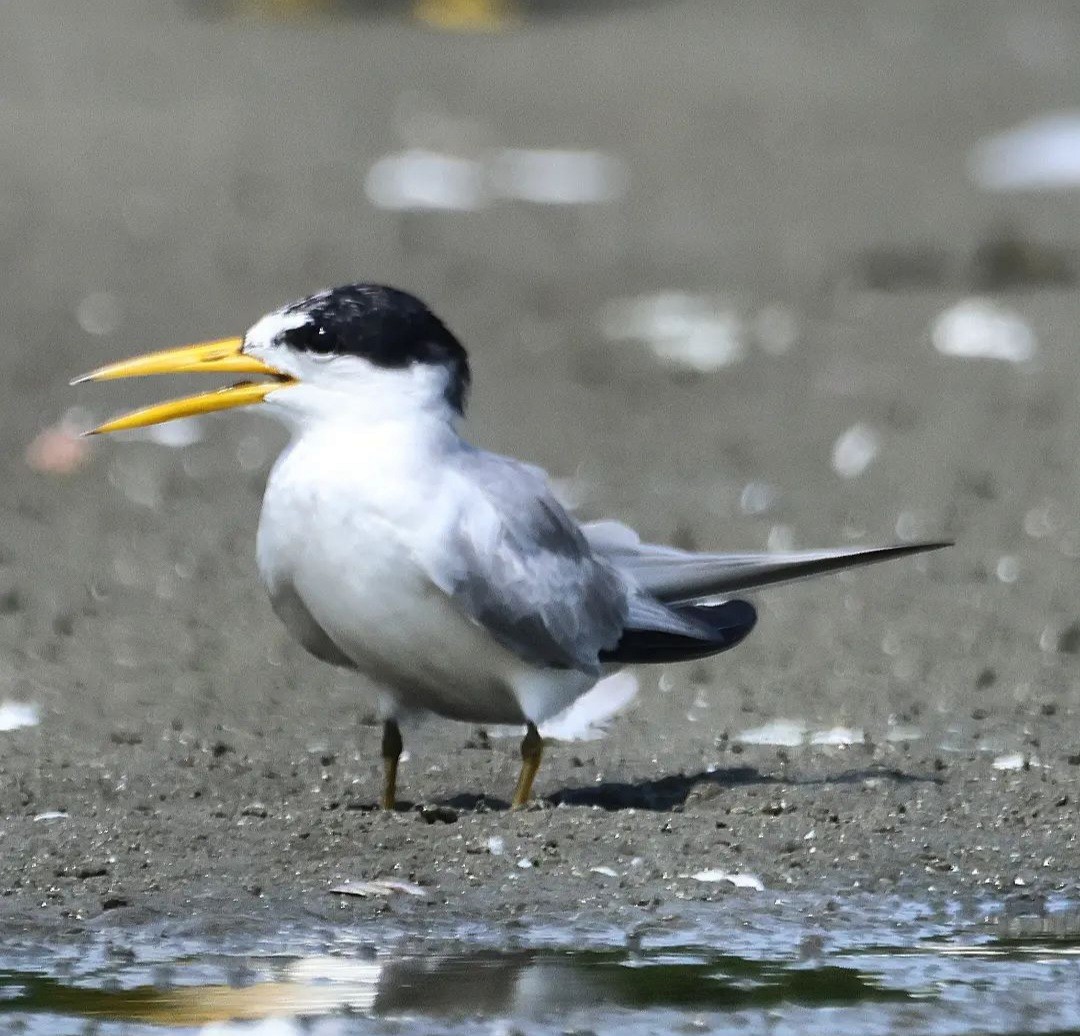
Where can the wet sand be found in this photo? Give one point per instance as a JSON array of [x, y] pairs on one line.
[[170, 177]]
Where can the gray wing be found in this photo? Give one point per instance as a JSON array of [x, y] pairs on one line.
[[679, 576], [519, 565]]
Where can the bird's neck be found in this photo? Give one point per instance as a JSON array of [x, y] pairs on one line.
[[394, 446], [388, 409]]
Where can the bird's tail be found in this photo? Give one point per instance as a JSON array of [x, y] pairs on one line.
[[678, 577]]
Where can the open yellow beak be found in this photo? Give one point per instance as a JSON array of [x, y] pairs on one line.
[[222, 356]]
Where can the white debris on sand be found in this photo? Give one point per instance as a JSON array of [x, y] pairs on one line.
[[757, 498], [978, 328], [793, 733], [854, 450], [788, 733], [693, 332], [839, 737], [17, 714], [419, 180], [1016, 761], [742, 881], [1041, 154], [176, 434], [1008, 568], [556, 176], [898, 733], [781, 537], [380, 887]]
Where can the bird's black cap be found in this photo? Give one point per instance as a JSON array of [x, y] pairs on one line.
[[387, 327]]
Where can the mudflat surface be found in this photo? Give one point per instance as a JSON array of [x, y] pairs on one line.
[[168, 176]]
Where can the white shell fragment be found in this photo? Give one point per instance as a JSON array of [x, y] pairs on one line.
[[419, 179], [757, 498], [693, 332], [979, 328], [177, 434], [558, 177], [380, 887], [17, 714], [423, 179], [1016, 761], [1042, 154], [741, 881], [1008, 568], [788, 733], [839, 737], [854, 451]]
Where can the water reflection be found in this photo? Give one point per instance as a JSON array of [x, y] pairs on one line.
[[1017, 968], [525, 984]]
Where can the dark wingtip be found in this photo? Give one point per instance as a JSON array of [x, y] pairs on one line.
[[739, 617], [722, 627]]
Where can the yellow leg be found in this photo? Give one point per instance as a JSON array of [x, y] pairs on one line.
[[391, 752], [532, 748]]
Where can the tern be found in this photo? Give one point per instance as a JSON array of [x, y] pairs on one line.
[[452, 577]]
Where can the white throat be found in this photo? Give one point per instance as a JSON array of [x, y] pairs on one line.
[[349, 391]]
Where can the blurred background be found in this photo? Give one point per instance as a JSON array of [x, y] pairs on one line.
[[746, 275]]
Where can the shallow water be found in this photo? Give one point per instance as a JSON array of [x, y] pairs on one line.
[[879, 966]]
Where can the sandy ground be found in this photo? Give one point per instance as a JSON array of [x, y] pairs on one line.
[[167, 177]]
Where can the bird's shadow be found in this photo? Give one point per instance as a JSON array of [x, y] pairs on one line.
[[665, 793]]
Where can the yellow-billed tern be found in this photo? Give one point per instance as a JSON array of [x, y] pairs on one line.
[[450, 576]]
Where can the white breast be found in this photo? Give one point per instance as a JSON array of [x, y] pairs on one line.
[[348, 520]]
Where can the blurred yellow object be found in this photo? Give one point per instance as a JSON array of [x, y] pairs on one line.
[[464, 15], [282, 8]]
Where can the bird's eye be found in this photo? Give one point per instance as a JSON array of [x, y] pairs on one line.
[[309, 338]]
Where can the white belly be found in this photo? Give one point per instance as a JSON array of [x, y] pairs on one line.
[[350, 555]]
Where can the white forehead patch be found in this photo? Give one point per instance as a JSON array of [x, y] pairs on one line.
[[264, 332]]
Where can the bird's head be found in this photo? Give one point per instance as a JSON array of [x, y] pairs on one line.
[[361, 349]]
